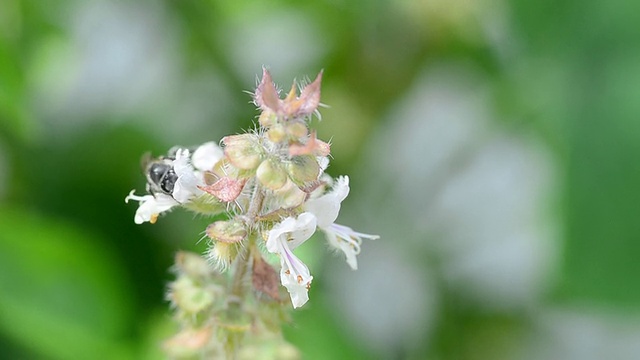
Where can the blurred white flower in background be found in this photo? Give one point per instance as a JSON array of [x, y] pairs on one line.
[[583, 333], [455, 194], [497, 245], [286, 41], [478, 195], [123, 60], [389, 305]]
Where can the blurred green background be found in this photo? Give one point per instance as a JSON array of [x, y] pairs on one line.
[[492, 144]]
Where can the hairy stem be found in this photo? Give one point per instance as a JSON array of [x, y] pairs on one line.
[[237, 283], [242, 261], [255, 207]]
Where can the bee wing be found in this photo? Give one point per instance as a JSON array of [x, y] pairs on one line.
[[145, 160]]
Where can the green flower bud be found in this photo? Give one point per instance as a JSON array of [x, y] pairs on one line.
[[223, 253], [192, 265], [276, 134], [243, 151], [271, 175], [303, 169], [189, 297], [290, 195], [267, 118], [230, 231], [297, 130]]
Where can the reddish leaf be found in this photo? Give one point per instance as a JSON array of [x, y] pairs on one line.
[[226, 189], [310, 97], [313, 146], [266, 95], [265, 278]]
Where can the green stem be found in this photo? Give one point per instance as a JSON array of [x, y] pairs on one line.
[[237, 284], [256, 205], [242, 261]]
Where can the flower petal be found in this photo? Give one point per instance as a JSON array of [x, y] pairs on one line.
[[296, 279], [186, 186], [323, 162], [341, 188], [181, 164], [294, 275], [207, 156], [327, 207], [304, 228], [299, 229], [347, 240], [282, 239], [279, 231], [150, 206]]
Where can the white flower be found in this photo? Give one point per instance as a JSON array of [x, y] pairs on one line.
[[207, 156], [283, 238], [186, 187], [327, 206], [150, 206], [326, 209], [323, 163], [346, 239]]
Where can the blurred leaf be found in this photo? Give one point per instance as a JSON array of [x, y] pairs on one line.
[[602, 250], [159, 327], [14, 117], [62, 294]]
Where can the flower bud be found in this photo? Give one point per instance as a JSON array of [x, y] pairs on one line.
[[223, 253], [303, 169], [271, 175], [230, 231], [243, 151], [276, 134], [297, 130], [189, 297], [188, 343], [290, 195], [192, 265], [267, 118]]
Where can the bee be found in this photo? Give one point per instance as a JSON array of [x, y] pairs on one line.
[[159, 172]]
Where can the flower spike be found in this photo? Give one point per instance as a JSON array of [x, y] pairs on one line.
[[268, 192]]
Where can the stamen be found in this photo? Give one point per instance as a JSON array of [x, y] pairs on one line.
[[133, 196]]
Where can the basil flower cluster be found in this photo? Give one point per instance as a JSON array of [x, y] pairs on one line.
[[269, 192]]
